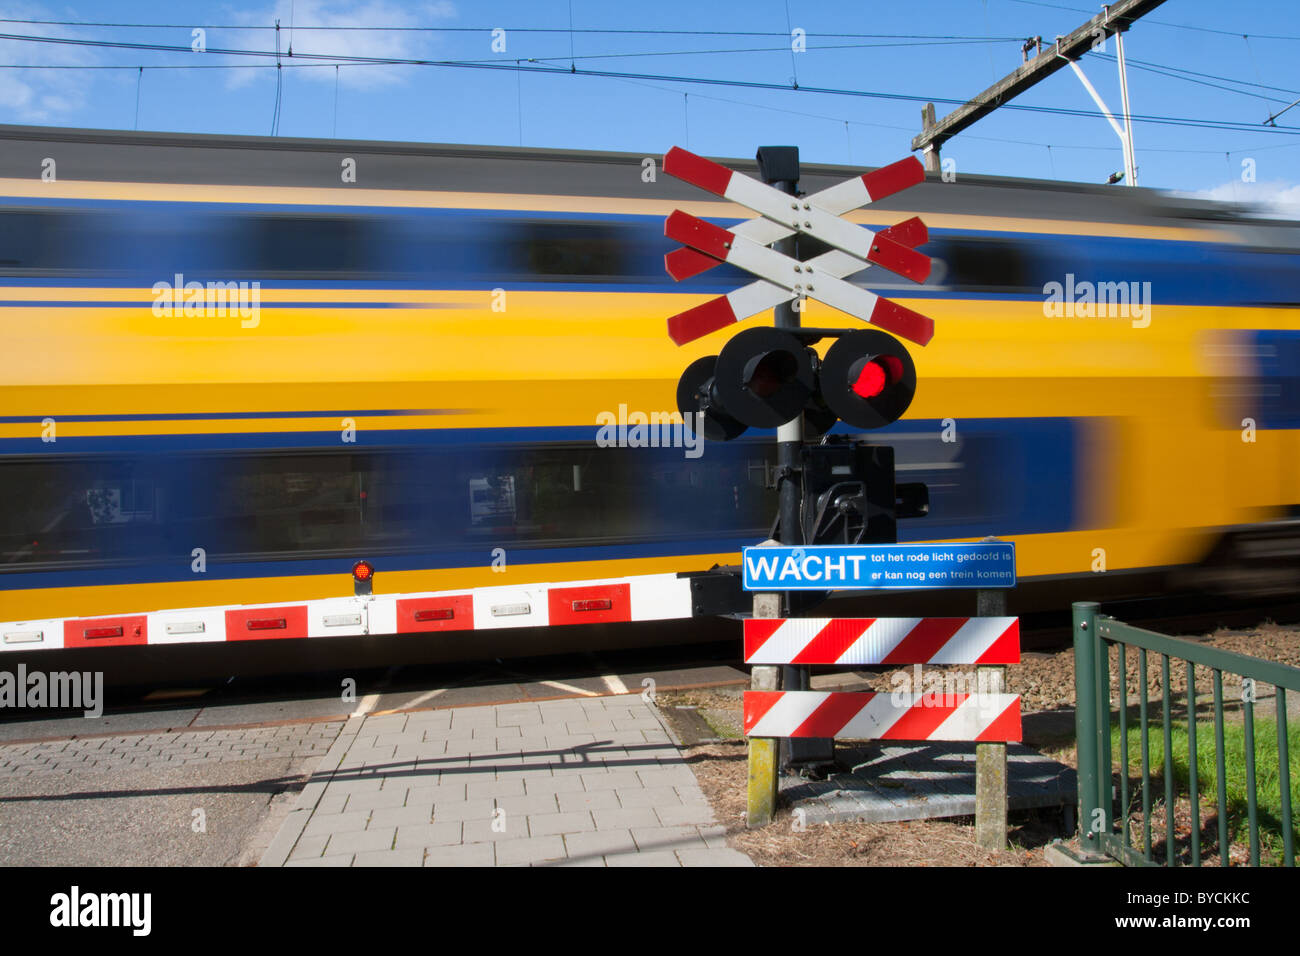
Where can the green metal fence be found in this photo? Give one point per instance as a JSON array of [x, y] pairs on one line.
[[1102, 785]]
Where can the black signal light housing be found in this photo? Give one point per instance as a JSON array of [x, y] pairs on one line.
[[867, 378]]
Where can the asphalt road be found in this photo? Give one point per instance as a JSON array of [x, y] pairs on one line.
[[135, 818]]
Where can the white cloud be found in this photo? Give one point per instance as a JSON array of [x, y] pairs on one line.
[[347, 43], [41, 96], [1275, 198]]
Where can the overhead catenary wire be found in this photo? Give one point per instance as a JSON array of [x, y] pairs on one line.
[[1159, 71], [969, 136], [279, 83], [720, 99], [1163, 23], [414, 29], [1248, 148], [794, 68], [1255, 66], [1192, 122], [754, 49], [1196, 73]]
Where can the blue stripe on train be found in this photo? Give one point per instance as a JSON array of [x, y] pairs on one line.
[[999, 476], [120, 243]]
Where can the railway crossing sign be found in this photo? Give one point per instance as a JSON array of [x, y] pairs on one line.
[[781, 277], [888, 566]]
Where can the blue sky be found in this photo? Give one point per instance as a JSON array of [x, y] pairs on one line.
[[460, 105]]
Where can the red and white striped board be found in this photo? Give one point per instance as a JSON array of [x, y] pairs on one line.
[[882, 716], [887, 640], [650, 597]]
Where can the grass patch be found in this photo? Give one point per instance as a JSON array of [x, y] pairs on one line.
[[1268, 793]]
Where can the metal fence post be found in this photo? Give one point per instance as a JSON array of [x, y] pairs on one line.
[[761, 793], [991, 758], [1085, 723]]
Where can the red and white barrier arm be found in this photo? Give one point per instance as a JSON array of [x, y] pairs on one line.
[[648, 597]]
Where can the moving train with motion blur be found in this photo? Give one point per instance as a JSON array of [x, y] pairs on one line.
[[233, 367]]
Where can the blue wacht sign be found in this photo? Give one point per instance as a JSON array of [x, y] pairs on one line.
[[869, 566]]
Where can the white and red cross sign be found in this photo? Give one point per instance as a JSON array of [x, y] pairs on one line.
[[782, 277]]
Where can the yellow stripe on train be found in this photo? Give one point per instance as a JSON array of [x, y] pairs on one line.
[[551, 358]]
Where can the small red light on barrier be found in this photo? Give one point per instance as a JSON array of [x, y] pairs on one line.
[[597, 604], [267, 624], [435, 614], [363, 570], [93, 632]]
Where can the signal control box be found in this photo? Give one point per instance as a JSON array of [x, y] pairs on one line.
[[850, 496]]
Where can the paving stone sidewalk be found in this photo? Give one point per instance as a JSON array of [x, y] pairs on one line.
[[586, 782]]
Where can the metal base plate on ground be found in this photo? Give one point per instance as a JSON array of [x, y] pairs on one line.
[[916, 781]]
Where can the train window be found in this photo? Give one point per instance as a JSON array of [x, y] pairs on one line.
[[42, 239], [281, 506], [115, 502], [1272, 392], [983, 263], [77, 511], [573, 250], [492, 501], [308, 244], [272, 506]]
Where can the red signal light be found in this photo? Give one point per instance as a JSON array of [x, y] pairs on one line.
[[363, 570], [867, 378], [871, 381], [876, 374]]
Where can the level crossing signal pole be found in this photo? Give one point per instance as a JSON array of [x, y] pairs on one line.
[[771, 378], [779, 167]]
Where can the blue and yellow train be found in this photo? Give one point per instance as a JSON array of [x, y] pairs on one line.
[[403, 352]]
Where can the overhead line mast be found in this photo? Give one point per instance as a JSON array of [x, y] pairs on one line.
[[1114, 19]]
